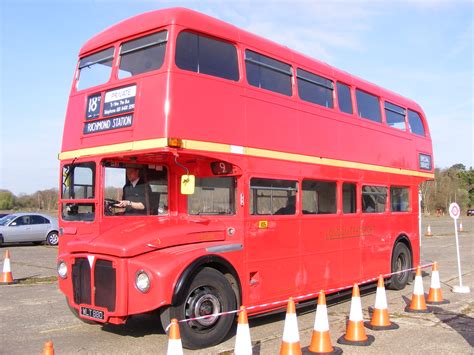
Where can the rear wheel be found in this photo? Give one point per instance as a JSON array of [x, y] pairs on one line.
[[401, 260], [1, 241], [208, 293]]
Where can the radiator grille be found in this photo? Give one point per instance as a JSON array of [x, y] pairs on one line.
[[104, 283]]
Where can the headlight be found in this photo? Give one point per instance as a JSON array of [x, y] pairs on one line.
[[62, 269], [142, 281]]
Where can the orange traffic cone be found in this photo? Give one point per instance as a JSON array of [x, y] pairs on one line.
[[320, 339], [355, 331], [428, 232], [243, 343], [380, 317], [290, 343], [418, 304], [174, 339], [6, 278], [435, 296], [461, 229], [48, 348]]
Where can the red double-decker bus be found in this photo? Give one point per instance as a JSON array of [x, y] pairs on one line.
[[204, 167]]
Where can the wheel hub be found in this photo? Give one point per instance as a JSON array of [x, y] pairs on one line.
[[202, 302]]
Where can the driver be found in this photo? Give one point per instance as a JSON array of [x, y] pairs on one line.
[[135, 193]]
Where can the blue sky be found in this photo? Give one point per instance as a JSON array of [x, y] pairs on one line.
[[420, 49]]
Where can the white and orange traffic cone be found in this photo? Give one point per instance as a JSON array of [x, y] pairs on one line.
[[290, 343], [461, 229], [243, 342], [418, 304], [320, 339], [435, 295], [7, 277], [174, 339], [48, 348], [355, 331], [428, 232], [380, 317]]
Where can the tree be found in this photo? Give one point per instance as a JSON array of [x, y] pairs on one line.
[[7, 200]]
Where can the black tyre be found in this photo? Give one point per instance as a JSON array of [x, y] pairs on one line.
[[209, 292], [401, 260], [52, 238], [1, 242]]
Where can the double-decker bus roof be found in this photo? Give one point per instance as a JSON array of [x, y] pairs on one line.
[[191, 19]]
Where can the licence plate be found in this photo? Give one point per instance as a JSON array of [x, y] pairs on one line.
[[92, 313]]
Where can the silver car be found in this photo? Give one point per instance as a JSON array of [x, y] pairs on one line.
[[28, 227]]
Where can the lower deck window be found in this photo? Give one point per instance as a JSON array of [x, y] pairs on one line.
[[374, 199], [213, 196], [348, 198], [272, 197], [399, 199], [319, 197]]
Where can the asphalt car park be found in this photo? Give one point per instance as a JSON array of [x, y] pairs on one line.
[[33, 311]]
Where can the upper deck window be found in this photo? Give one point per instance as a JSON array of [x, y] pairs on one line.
[[205, 55], [416, 124], [95, 69], [267, 73], [344, 98], [142, 55], [368, 106], [395, 116], [315, 88]]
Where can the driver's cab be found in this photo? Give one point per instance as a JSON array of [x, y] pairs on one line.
[[82, 193], [94, 190], [153, 192]]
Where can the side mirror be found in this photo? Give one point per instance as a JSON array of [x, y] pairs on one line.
[[188, 183], [13, 224]]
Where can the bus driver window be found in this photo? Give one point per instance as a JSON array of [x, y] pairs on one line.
[[132, 190]]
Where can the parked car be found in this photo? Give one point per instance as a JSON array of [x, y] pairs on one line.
[[28, 227], [470, 212]]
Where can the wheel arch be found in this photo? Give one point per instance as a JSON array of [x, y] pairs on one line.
[[213, 261]]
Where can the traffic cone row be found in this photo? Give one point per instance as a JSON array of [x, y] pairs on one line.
[[7, 277], [435, 296], [290, 343], [175, 347], [355, 331], [428, 232], [243, 342], [320, 338], [380, 317], [418, 303], [48, 348]]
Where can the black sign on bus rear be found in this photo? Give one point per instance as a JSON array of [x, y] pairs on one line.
[[119, 101], [108, 124], [93, 106]]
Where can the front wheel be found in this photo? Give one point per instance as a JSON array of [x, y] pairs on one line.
[[209, 293], [52, 238], [401, 260]]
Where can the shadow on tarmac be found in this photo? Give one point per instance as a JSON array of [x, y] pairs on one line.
[[461, 323]]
